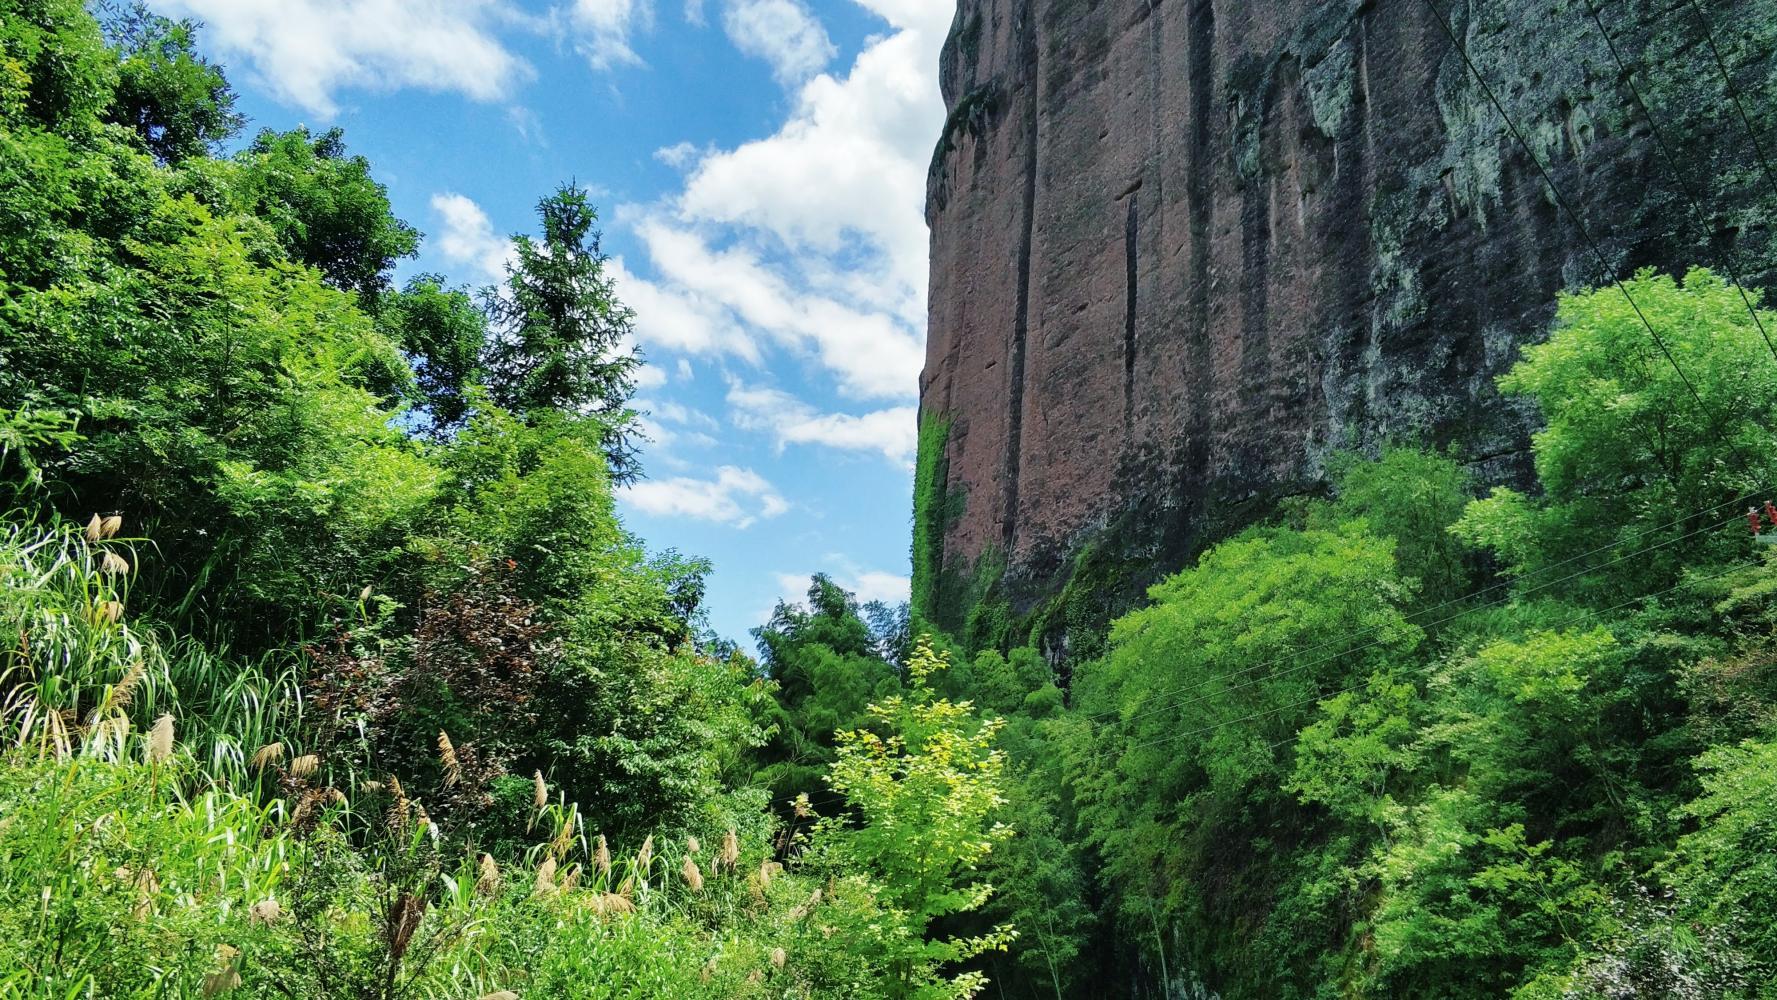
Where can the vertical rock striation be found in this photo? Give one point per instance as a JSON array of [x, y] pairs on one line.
[[1182, 250]]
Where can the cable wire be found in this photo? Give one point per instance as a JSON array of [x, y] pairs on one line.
[[1678, 174], [1579, 224], [1734, 95], [1101, 756], [1454, 602]]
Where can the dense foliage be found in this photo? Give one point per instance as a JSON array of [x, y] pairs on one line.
[[1407, 740], [327, 667]]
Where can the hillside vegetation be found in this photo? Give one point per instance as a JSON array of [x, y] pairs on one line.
[[328, 669]]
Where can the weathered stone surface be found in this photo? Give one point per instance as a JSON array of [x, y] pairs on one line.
[[1183, 249]]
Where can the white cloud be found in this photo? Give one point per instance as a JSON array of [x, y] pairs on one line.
[[893, 432], [305, 51], [528, 124], [813, 239], [865, 585], [603, 28], [784, 33], [679, 155], [678, 413], [735, 496], [679, 319], [870, 352], [467, 236]]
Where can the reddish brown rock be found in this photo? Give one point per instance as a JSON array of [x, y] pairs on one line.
[[1183, 250]]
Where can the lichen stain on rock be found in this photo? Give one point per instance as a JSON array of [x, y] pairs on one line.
[[1336, 243]]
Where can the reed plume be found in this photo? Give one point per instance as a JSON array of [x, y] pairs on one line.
[[160, 739]]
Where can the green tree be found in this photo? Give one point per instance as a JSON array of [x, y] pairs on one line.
[[55, 70], [825, 662], [443, 332], [1633, 452], [1414, 497], [561, 339], [324, 206], [926, 796], [176, 100]]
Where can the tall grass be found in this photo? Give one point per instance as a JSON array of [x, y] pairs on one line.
[[72, 659], [144, 852]]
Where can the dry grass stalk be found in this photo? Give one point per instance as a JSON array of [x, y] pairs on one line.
[[539, 791], [693, 877], [147, 886], [602, 856], [93, 527], [114, 564], [645, 856], [108, 612], [227, 977], [127, 685], [611, 904], [447, 755], [266, 911], [730, 853], [499, 995], [545, 878], [110, 734], [271, 753], [570, 880], [110, 526], [693, 845], [801, 807], [768, 870], [778, 958], [488, 881], [305, 765], [404, 918], [814, 900], [160, 739], [563, 841]]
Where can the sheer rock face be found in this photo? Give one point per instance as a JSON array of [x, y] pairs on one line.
[[1182, 250]]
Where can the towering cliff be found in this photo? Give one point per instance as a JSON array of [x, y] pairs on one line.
[[1183, 250]]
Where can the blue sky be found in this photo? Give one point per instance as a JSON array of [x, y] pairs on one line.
[[759, 166]]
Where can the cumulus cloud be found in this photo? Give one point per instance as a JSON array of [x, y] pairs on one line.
[[735, 496], [784, 33], [679, 155], [811, 240], [869, 352], [679, 319], [603, 29], [306, 51], [466, 236], [893, 432]]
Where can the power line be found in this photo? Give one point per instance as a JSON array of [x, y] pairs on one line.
[[1605, 268], [1727, 78], [1554, 190], [1678, 174], [1454, 602], [1579, 224], [1203, 730], [1371, 645]]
